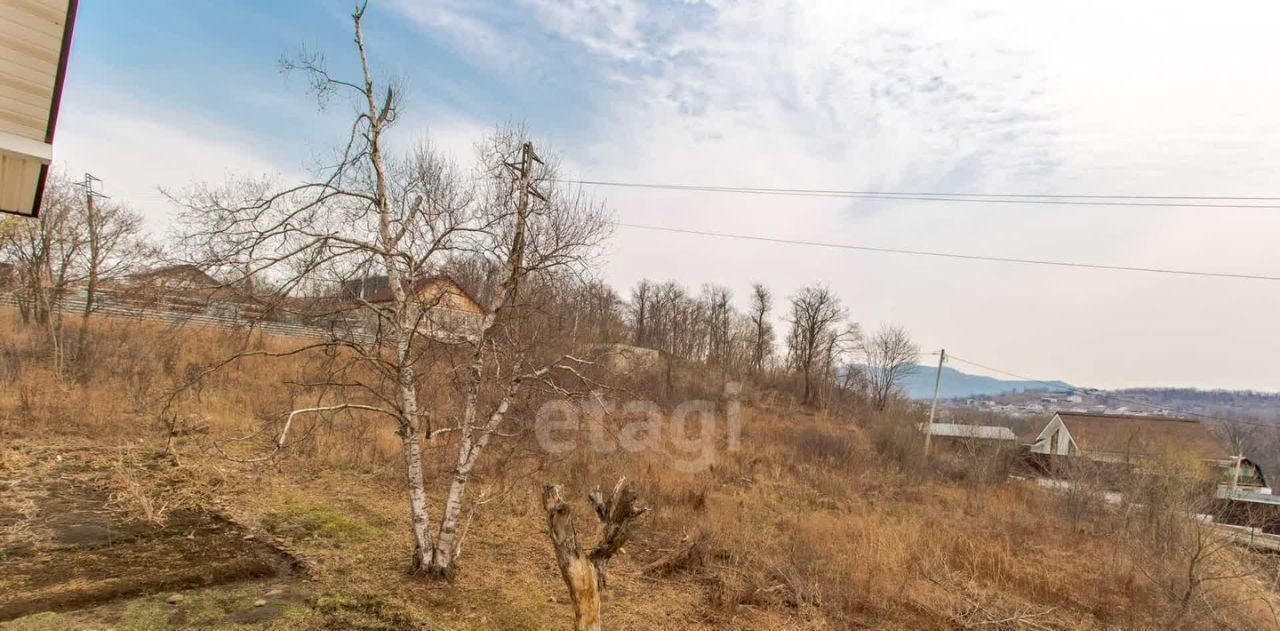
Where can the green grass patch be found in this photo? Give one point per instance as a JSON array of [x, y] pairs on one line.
[[363, 611], [146, 614], [38, 622], [309, 520]]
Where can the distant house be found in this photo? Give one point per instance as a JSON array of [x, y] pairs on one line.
[[626, 358], [184, 276], [185, 288], [950, 432], [451, 311], [1129, 440]]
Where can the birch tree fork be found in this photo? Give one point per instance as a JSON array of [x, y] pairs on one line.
[[404, 218], [543, 234]]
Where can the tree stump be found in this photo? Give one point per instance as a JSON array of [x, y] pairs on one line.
[[585, 573]]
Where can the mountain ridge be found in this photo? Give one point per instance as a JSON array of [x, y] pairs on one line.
[[957, 384]]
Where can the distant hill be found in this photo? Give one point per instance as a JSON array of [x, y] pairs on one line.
[[956, 384]]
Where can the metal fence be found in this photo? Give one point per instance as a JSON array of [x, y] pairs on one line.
[[177, 317], [450, 324]]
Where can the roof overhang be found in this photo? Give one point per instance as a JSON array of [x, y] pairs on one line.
[[35, 42]]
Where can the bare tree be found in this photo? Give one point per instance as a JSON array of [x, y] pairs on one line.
[[114, 246], [1240, 437], [719, 321], [816, 316], [761, 328], [47, 252], [1169, 512], [642, 297], [407, 219], [890, 356]]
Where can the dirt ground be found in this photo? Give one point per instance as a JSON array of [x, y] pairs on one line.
[[69, 541], [273, 550]]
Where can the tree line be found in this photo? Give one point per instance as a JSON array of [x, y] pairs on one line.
[[506, 227]]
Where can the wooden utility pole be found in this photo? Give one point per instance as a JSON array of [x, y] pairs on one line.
[[93, 225], [524, 180], [933, 409]]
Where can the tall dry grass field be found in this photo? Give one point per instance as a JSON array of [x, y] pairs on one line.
[[817, 522]]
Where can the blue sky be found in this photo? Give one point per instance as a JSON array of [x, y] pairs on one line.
[[219, 61], [1141, 97]]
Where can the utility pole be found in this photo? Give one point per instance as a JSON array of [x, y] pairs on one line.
[[524, 179], [933, 409], [93, 225]]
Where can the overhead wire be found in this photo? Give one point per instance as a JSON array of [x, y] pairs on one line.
[[1159, 201], [952, 255]]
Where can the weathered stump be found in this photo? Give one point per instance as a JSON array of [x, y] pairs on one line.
[[585, 573]]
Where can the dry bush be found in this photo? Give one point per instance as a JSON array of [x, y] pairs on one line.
[[975, 462], [895, 436]]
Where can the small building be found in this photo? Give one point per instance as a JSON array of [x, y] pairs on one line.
[[33, 65], [188, 289], [450, 309], [1126, 439], [175, 277], [625, 358], [958, 433]]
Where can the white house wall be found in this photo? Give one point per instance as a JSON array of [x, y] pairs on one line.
[[1061, 443]]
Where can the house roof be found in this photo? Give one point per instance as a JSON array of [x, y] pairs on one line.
[[376, 288], [1141, 435], [37, 38], [184, 271], [969, 431]]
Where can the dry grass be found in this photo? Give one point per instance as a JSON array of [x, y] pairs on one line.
[[816, 523]]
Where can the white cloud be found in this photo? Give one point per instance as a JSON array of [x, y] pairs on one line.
[[992, 96], [137, 146], [1139, 97]]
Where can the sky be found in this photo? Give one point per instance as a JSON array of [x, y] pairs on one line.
[[1145, 97]]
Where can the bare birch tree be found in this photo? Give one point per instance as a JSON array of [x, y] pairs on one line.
[[719, 322], [406, 219], [642, 297]]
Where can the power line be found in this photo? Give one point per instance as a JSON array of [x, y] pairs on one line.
[[1110, 395], [952, 255], [978, 198]]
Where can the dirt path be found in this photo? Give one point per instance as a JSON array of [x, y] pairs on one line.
[[64, 546]]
